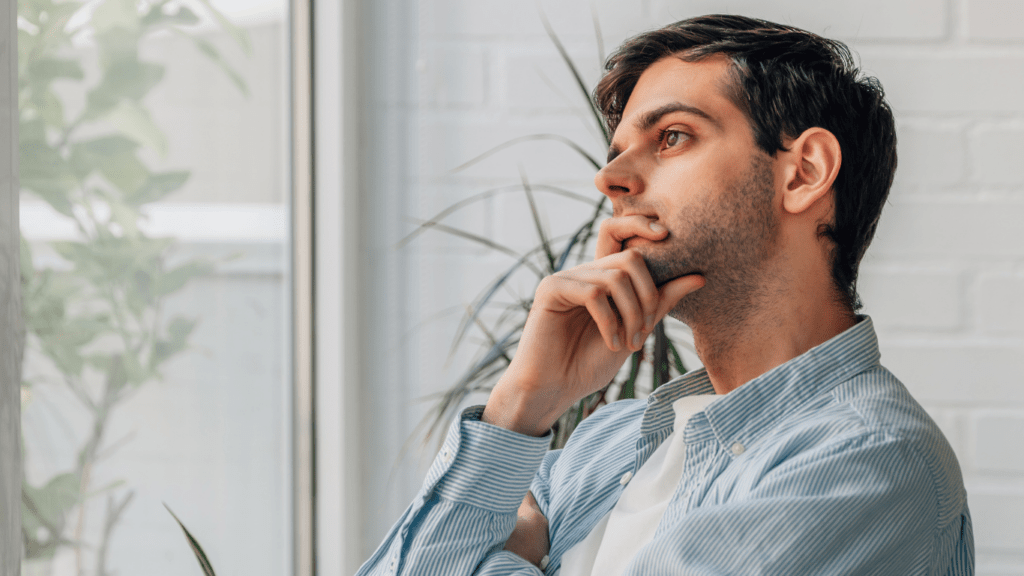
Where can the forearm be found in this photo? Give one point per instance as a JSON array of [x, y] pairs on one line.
[[441, 537], [466, 509]]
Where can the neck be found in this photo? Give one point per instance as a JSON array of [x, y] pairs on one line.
[[779, 321]]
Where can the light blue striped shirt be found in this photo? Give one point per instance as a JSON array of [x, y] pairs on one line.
[[823, 465]]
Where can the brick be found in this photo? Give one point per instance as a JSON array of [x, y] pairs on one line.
[[501, 18], [912, 299], [454, 75], [996, 519], [930, 155], [971, 374], [997, 440], [996, 155], [620, 20], [949, 82], [995, 19], [868, 19], [526, 87], [956, 229], [1001, 303]]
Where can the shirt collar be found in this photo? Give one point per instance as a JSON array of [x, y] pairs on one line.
[[747, 412]]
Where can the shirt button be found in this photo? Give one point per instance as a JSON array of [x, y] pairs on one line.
[[446, 455], [626, 478], [738, 449]]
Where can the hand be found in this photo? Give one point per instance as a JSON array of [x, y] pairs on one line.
[[583, 325], [529, 539]]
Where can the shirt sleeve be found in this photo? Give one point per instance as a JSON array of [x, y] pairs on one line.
[[466, 509], [867, 505]]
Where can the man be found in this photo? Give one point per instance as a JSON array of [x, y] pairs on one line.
[[747, 172]]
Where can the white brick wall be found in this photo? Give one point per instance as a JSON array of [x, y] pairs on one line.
[[944, 279]]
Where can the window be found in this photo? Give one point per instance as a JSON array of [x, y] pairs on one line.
[[156, 177]]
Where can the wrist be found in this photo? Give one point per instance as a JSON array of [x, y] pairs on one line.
[[513, 409]]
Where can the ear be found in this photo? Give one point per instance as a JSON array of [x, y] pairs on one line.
[[810, 168]]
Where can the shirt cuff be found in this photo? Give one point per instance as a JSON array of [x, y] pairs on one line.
[[485, 465]]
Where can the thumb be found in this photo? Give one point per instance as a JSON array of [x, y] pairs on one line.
[[673, 291]]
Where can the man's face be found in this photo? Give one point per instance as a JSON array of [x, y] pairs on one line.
[[684, 155]]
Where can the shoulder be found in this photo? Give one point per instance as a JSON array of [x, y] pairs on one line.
[[872, 425]]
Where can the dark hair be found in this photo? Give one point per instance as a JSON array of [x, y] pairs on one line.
[[787, 80]]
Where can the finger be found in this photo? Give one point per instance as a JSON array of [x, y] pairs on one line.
[[621, 298], [674, 291], [618, 284], [623, 293], [616, 229], [640, 277], [643, 285], [595, 300]]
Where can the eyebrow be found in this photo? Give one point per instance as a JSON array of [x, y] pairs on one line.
[[648, 119]]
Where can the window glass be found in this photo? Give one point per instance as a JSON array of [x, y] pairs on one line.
[[154, 169]]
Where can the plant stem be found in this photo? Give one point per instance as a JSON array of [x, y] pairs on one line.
[[114, 513], [86, 460], [660, 359]]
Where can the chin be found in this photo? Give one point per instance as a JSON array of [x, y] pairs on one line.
[[663, 272]]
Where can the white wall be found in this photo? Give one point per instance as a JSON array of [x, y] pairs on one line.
[[944, 279]]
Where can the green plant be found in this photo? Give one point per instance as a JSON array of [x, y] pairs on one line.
[[548, 256], [94, 322], [204, 562]]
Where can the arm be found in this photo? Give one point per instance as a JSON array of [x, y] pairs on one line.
[[466, 509], [583, 324], [868, 505], [529, 539]]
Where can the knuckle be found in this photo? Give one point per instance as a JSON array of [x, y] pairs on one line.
[[593, 294], [618, 275], [634, 258]]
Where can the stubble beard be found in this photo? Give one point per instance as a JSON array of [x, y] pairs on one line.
[[730, 241]]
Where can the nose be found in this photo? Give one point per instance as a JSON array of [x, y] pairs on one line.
[[618, 178]]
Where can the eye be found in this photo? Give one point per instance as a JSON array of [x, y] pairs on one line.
[[670, 138]]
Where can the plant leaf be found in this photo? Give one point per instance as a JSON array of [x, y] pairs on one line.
[[529, 138], [677, 360], [628, 389], [211, 52], [482, 196], [240, 35], [538, 224], [156, 16], [157, 186], [579, 79], [135, 122], [113, 14], [204, 562], [45, 70]]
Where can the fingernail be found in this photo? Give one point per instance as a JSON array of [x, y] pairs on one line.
[[649, 322], [657, 228], [636, 340], [615, 341]]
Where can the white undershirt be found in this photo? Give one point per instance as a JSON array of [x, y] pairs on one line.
[[631, 523]]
